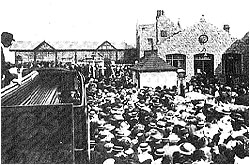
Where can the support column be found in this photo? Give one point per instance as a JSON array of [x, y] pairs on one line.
[[55, 58], [75, 58], [35, 54], [16, 62]]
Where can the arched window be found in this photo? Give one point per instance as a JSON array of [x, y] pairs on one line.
[[176, 60]]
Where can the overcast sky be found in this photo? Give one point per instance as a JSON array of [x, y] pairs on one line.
[[112, 20]]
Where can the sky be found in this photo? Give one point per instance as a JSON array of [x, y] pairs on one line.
[[112, 20]]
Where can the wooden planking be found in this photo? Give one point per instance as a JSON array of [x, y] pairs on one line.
[[37, 134]]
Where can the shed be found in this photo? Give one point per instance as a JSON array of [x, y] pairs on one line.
[[153, 71]]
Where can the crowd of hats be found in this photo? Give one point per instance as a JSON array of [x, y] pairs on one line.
[[154, 125]]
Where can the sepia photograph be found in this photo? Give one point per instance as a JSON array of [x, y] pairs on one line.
[[124, 81]]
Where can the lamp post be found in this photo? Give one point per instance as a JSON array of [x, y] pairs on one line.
[[181, 77]]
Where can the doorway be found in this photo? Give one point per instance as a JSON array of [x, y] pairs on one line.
[[204, 63]]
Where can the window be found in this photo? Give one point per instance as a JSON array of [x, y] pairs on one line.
[[150, 41], [164, 33], [176, 60]]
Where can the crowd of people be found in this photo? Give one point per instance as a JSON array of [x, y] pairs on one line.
[[156, 126]]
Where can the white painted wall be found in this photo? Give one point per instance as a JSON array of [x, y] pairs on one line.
[[154, 79]]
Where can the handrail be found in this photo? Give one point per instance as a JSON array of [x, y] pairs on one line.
[[83, 91], [24, 80]]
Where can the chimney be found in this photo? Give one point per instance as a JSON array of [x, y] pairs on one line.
[[226, 28], [159, 13]]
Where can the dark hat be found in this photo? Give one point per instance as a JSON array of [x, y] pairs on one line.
[[198, 155], [183, 131], [6, 37]]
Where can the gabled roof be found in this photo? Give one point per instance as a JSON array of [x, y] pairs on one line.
[[186, 41], [67, 45], [24, 45], [153, 63], [44, 46], [107, 44], [240, 46]]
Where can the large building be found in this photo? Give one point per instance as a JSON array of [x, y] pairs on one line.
[[235, 62], [196, 48], [74, 52]]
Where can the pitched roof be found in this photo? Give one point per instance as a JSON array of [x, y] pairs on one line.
[[153, 63], [240, 46], [186, 41], [66, 45]]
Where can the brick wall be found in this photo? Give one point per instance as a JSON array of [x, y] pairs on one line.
[[145, 32], [186, 42]]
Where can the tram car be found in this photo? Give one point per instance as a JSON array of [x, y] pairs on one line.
[[44, 118]]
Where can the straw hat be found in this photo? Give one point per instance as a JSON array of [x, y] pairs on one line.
[[173, 138], [118, 148], [109, 145], [223, 110], [92, 143], [152, 125], [118, 117], [129, 151], [144, 146], [186, 148], [165, 139], [109, 161], [201, 123], [159, 152], [109, 127], [161, 124]]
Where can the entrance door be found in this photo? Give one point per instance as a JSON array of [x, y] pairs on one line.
[[205, 63], [232, 67]]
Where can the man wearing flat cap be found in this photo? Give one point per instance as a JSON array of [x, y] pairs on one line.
[[7, 59]]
